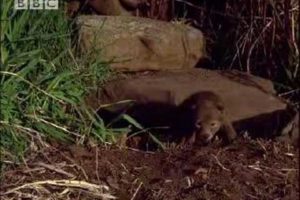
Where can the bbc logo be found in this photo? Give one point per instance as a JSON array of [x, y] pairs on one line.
[[36, 4]]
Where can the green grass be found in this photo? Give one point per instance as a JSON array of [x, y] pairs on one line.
[[42, 84]]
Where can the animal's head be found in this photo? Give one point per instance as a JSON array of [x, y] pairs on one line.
[[207, 121]]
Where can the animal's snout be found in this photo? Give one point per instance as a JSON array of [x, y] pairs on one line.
[[203, 137]]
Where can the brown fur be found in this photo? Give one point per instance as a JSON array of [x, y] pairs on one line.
[[203, 115]]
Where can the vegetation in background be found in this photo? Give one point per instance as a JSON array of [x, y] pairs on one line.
[[260, 37], [42, 84]]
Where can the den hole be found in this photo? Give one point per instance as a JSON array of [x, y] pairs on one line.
[[155, 126], [148, 127]]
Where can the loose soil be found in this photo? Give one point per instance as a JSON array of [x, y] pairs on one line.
[[247, 169]]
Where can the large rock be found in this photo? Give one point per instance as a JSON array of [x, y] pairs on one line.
[[106, 7], [137, 44], [116, 7], [250, 101]]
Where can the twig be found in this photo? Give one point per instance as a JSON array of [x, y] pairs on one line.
[[254, 44], [28, 131], [289, 92], [201, 170], [97, 165], [34, 169], [53, 168], [124, 167], [136, 191], [294, 41], [262, 146], [55, 126], [289, 154], [288, 170], [97, 189], [26, 165], [252, 196], [189, 181], [26, 195], [78, 166], [219, 163], [255, 167], [140, 151]]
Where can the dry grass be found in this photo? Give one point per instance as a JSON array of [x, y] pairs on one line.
[[260, 37], [39, 190], [261, 168]]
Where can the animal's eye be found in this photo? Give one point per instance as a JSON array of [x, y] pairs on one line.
[[198, 125], [213, 124]]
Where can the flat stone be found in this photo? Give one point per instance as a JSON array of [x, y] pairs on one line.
[[138, 44], [250, 101]]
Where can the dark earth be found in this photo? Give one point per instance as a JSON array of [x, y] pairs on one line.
[[246, 169]]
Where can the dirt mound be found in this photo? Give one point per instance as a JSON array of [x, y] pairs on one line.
[[247, 169]]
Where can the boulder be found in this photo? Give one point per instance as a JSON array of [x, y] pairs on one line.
[[250, 101], [114, 7], [138, 44], [106, 7]]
